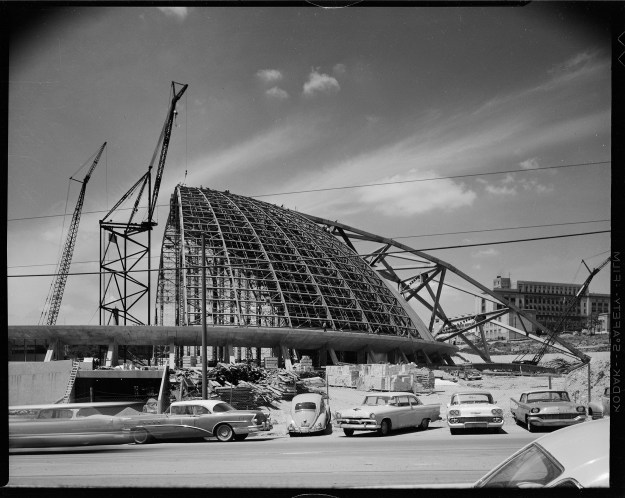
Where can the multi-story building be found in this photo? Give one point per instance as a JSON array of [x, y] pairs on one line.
[[548, 302]]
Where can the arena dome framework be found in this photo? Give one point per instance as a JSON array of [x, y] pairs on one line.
[[271, 267]]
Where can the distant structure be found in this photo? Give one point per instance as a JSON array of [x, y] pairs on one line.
[[546, 302]]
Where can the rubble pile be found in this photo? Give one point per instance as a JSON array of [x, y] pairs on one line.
[[244, 386], [382, 377], [576, 383]]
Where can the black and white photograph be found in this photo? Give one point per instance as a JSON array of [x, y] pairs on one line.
[[327, 248]]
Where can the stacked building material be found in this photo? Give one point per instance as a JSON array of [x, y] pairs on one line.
[[343, 375], [382, 377]]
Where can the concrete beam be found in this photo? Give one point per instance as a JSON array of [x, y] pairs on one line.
[[172, 355], [53, 351], [287, 357], [265, 337]]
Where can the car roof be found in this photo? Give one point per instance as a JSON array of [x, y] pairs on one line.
[[545, 391], [391, 393], [578, 444], [61, 406], [472, 392], [307, 397], [208, 403]]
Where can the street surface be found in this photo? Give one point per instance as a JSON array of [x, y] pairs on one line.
[[407, 458]]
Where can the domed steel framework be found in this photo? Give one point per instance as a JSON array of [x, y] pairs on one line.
[[271, 267]]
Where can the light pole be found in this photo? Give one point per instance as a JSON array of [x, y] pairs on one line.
[[204, 363]]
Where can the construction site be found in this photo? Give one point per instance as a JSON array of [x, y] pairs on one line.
[[242, 281]]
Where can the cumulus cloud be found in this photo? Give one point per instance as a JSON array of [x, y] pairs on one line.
[[179, 13], [269, 75], [339, 69], [320, 83], [406, 199], [486, 253], [277, 93], [531, 163], [500, 190]]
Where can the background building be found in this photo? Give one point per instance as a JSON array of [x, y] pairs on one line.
[[548, 303]]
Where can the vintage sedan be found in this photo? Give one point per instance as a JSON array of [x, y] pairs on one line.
[[573, 457], [546, 408], [601, 408], [310, 414], [196, 419], [473, 410], [383, 412], [67, 424]]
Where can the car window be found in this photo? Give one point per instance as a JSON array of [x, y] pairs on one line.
[[453, 400], [200, 410], [532, 465], [86, 412], [474, 398], [403, 401], [375, 400], [415, 401], [523, 398], [181, 410], [307, 405], [222, 407]]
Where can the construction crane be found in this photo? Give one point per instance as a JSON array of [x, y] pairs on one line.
[[557, 329], [119, 261], [53, 302]]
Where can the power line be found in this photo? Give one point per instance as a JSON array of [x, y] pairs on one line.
[[298, 260], [345, 187], [394, 238]]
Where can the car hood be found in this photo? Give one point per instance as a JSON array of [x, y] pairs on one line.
[[475, 409], [363, 411]]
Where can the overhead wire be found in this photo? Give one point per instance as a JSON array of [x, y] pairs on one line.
[[402, 251], [468, 175]]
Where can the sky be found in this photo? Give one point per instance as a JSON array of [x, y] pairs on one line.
[[458, 110]]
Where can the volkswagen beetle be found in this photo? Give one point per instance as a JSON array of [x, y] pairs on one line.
[[310, 414]]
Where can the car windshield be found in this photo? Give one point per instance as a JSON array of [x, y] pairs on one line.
[[464, 399], [547, 396], [306, 405], [376, 400], [222, 407], [532, 467]]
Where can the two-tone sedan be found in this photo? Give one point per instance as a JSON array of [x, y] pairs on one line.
[[473, 410], [546, 408], [383, 412], [196, 419]]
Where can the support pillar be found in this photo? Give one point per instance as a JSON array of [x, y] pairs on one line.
[[486, 352], [111, 355], [229, 354], [172, 355], [361, 357], [335, 360], [287, 357], [427, 358], [402, 356], [323, 357], [53, 352]]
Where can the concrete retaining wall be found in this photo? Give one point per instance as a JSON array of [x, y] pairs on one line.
[[33, 383]]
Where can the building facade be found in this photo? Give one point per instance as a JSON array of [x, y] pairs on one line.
[[550, 304]]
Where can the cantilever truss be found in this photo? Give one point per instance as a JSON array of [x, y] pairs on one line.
[[427, 280]]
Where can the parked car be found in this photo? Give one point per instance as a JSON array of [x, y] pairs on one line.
[[546, 408], [383, 412], [310, 414], [67, 424], [601, 408], [473, 410], [574, 457], [198, 419]]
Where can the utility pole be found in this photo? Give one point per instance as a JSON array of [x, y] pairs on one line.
[[204, 332]]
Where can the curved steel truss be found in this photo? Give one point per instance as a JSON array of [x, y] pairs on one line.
[[268, 266]]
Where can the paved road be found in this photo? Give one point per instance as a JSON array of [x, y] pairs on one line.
[[405, 458]]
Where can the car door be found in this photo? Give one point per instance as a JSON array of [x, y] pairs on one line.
[[418, 410], [405, 414]]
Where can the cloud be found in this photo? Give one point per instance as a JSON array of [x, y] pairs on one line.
[[486, 253], [407, 199], [529, 163], [180, 13], [320, 83], [500, 190], [339, 69], [269, 75], [277, 93]]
